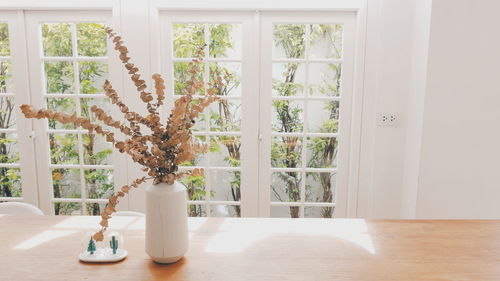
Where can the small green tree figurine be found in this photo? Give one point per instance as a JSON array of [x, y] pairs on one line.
[[113, 243], [91, 248]]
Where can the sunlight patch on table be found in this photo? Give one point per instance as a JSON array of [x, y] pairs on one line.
[[42, 238], [234, 236]]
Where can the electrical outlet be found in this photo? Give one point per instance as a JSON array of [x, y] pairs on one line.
[[388, 119]]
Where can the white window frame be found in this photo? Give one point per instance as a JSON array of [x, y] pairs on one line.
[[255, 187], [21, 95], [36, 59], [343, 136], [249, 103], [131, 19]]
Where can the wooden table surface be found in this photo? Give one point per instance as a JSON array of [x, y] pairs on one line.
[[46, 248]]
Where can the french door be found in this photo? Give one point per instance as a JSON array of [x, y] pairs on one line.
[[68, 63], [280, 134], [17, 167]]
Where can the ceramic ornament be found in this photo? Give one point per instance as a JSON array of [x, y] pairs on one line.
[[110, 250]]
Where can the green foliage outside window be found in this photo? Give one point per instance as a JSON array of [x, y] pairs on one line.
[[286, 150], [91, 41]]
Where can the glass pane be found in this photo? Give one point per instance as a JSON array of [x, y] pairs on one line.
[[57, 40], [87, 103], [284, 212], [98, 183], [230, 73], [225, 40], [324, 79], [325, 41], [320, 187], [59, 77], [288, 116], [4, 39], [66, 105], [225, 211], [68, 208], [195, 210], [10, 182], [195, 186], [63, 148], [225, 115], [201, 158], [95, 209], [199, 123], [289, 41], [319, 212], [96, 150], [7, 113], [92, 76], [285, 186], [188, 37], [321, 152], [91, 38], [66, 183], [5, 77], [225, 151], [225, 185], [286, 152], [9, 152], [288, 79], [323, 116], [182, 75]]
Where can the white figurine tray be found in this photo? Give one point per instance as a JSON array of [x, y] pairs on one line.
[[103, 255]]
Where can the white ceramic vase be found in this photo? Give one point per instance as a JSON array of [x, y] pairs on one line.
[[166, 222]]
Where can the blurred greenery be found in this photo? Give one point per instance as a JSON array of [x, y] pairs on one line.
[[224, 116]]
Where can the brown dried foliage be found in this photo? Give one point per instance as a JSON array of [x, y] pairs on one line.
[[166, 146]]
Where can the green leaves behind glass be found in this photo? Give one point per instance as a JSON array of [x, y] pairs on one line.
[[91, 38], [286, 152], [5, 76], [287, 116], [66, 183], [4, 39], [288, 79], [56, 39], [9, 151], [92, 75], [289, 41], [63, 148], [188, 37], [285, 186], [59, 77]]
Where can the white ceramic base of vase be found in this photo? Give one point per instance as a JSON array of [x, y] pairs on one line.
[[103, 255], [167, 260], [166, 222]]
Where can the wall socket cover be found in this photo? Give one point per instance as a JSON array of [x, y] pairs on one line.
[[388, 119]]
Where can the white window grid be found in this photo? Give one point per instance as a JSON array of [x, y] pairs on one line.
[[208, 203], [75, 59], [305, 134], [9, 94]]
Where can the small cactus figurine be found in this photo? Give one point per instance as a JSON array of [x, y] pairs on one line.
[[91, 248], [113, 244]]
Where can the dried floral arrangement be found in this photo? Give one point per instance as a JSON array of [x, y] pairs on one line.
[[167, 146]]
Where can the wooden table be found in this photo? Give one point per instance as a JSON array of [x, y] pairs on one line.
[[46, 248]]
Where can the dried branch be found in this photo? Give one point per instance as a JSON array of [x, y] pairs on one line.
[[167, 146]]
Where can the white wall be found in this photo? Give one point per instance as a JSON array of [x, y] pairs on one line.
[[387, 85], [460, 160], [415, 107]]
